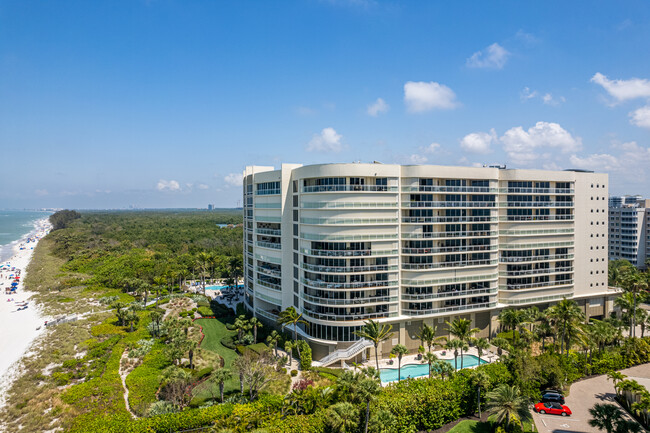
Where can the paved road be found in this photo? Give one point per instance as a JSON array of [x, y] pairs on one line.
[[583, 396]]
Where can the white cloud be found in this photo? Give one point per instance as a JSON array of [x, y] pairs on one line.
[[538, 142], [478, 142], [234, 179], [549, 99], [417, 159], [168, 185], [421, 96], [377, 107], [623, 90], [327, 141], [527, 94], [596, 162], [629, 162], [203, 186], [494, 56], [41, 192], [641, 117], [432, 148]]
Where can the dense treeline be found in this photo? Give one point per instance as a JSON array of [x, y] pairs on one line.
[[147, 251], [63, 218]]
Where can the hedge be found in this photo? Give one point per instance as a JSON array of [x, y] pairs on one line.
[[205, 311]]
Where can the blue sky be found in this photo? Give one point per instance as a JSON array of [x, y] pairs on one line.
[[162, 103]]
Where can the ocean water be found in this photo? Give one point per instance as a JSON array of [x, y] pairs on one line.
[[15, 225]]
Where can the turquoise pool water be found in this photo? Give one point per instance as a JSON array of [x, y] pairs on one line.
[[220, 287], [419, 370]]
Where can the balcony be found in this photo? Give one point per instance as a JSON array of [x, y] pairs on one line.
[[535, 258], [459, 249], [450, 294], [268, 285], [536, 299], [348, 317], [445, 188], [348, 188], [347, 269], [356, 285], [522, 218], [348, 221], [272, 245], [346, 205], [268, 271], [351, 301], [536, 204], [272, 232], [441, 235], [452, 204], [442, 220], [448, 309], [532, 286], [348, 253], [438, 265], [536, 271], [536, 190]]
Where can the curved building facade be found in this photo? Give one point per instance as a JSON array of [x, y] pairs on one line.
[[407, 245]]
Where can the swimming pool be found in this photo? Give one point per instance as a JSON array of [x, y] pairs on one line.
[[221, 287], [419, 370]]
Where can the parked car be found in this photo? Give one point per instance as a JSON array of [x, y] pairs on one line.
[[552, 391], [550, 397], [552, 408]]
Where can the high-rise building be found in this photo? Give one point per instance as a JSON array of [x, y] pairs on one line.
[[408, 245], [628, 229]]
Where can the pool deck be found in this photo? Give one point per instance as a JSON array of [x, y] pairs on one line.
[[413, 360]]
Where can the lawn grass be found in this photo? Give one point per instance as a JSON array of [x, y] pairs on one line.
[[214, 330], [471, 426]]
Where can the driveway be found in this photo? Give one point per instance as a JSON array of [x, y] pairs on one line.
[[583, 396]]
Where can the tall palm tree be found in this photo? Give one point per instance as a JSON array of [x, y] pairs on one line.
[[454, 345], [241, 325], [635, 284], [429, 358], [605, 416], [290, 317], [367, 389], [375, 332], [272, 340], [443, 368], [511, 318], [481, 345], [567, 313], [288, 347], [480, 379], [463, 331], [642, 407], [255, 323], [343, 417], [507, 404], [399, 351], [220, 377]]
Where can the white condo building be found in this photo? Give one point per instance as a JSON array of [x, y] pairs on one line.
[[407, 245], [628, 229]]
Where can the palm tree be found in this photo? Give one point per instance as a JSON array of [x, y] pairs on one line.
[[443, 368], [616, 377], [241, 325], [429, 358], [342, 417], [481, 345], [290, 317], [642, 407], [255, 323], [454, 345], [366, 390], [288, 347], [605, 416], [375, 332], [480, 379], [131, 318], [463, 331], [511, 318], [635, 284], [399, 351], [567, 313], [507, 404], [272, 340], [220, 377]]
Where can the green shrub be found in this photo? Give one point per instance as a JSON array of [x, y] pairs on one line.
[[229, 342], [329, 373], [205, 311], [305, 355], [200, 374], [294, 373]]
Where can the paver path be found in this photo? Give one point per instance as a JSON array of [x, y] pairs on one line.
[[584, 395]]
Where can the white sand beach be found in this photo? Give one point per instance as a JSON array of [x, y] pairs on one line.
[[18, 325]]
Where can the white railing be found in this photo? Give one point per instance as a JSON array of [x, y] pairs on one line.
[[343, 354]]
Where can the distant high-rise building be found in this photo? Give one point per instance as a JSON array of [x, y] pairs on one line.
[[413, 245], [210, 207], [628, 229]]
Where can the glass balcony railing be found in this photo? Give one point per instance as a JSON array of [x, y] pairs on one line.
[[467, 263], [347, 237], [347, 269], [443, 220], [438, 235], [539, 285], [450, 294], [348, 253], [536, 271], [271, 232], [459, 249], [348, 188], [448, 309], [536, 190], [269, 285], [451, 280], [519, 218], [535, 232], [356, 285], [351, 301], [438, 204], [348, 221], [536, 204], [273, 245], [543, 258], [535, 299], [348, 317], [346, 205], [445, 188]]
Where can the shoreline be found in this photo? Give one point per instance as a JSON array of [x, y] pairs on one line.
[[20, 328]]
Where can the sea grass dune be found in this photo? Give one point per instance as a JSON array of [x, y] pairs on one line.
[[20, 319]]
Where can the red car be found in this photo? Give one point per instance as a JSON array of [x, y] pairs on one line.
[[552, 408]]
